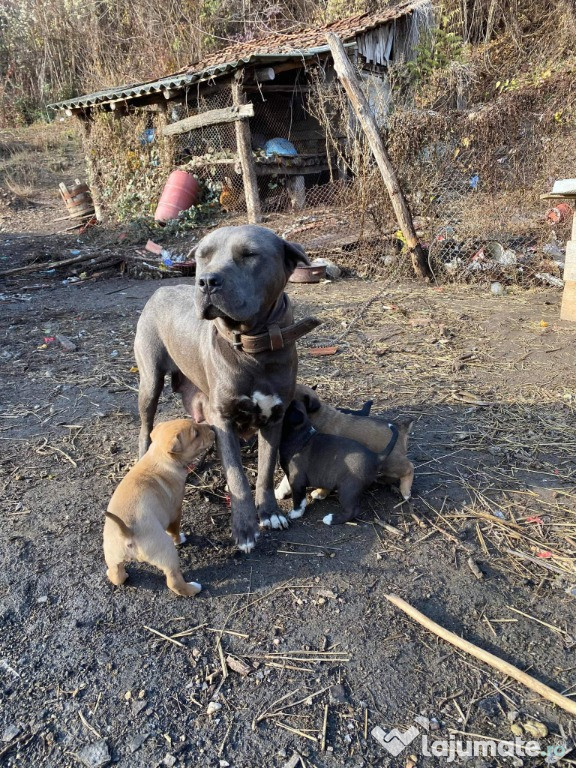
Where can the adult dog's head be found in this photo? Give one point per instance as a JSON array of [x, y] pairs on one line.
[[241, 272]]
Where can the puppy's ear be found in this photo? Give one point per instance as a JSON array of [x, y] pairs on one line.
[[294, 255], [193, 432], [296, 414], [311, 403], [175, 446]]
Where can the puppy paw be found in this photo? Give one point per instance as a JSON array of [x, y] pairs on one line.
[[319, 493], [327, 519], [274, 521], [282, 490], [297, 512]]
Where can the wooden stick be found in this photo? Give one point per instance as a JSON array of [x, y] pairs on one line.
[[164, 637], [324, 728], [361, 108], [488, 658], [37, 266]]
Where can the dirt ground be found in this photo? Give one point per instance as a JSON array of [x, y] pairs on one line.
[[294, 648]]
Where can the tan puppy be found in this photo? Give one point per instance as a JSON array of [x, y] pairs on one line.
[[147, 505], [371, 432]]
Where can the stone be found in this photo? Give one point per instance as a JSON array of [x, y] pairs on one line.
[[136, 741], [95, 755], [337, 694]]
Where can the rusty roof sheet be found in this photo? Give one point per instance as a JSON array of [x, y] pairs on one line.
[[305, 44], [312, 37]]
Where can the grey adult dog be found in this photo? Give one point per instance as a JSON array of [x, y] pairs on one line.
[[230, 337]]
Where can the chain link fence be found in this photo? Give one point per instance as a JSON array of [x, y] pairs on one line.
[[473, 179]]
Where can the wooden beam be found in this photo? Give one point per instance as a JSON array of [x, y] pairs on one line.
[[361, 108], [244, 147], [213, 117], [287, 170], [280, 88]]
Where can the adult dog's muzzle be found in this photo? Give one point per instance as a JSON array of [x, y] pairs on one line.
[[210, 282]]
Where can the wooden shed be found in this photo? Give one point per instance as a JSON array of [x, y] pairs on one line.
[[222, 117]]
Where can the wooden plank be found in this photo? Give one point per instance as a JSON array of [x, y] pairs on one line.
[[347, 77], [280, 88], [212, 117], [244, 148], [296, 170]]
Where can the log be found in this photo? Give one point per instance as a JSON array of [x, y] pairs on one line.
[[244, 147], [488, 658], [361, 108], [41, 266], [212, 117]]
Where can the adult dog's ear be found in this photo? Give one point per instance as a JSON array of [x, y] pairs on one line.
[[294, 255]]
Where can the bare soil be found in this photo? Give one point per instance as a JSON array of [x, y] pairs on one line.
[[491, 530]]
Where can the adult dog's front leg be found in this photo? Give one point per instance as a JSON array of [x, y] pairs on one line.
[[244, 518], [268, 510]]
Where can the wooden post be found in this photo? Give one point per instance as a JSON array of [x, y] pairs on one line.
[[244, 146], [568, 309], [361, 108], [91, 170]]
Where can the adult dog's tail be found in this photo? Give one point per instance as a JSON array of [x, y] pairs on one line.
[[126, 530]]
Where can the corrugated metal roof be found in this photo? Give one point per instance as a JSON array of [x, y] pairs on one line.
[[305, 44]]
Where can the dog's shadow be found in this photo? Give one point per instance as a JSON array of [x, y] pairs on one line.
[[307, 549]]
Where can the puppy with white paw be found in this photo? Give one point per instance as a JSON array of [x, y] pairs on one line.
[[143, 517], [328, 462], [375, 433]]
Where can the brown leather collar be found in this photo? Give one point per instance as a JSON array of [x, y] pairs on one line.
[[273, 339]]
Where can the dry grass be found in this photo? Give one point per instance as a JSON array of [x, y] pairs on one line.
[[36, 157], [508, 443], [22, 186]]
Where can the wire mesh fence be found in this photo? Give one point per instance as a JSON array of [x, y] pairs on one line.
[[472, 179]]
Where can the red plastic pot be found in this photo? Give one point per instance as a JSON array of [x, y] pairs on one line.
[[179, 193], [559, 214]]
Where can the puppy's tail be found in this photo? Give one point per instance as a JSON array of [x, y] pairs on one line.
[[126, 530]]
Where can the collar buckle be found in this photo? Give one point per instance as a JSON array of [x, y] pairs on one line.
[[237, 340]]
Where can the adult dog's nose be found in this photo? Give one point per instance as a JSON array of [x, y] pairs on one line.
[[210, 282]]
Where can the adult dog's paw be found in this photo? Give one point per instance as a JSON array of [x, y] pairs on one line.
[[275, 521], [270, 514], [245, 534]]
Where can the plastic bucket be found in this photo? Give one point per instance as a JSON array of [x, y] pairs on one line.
[[179, 193]]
